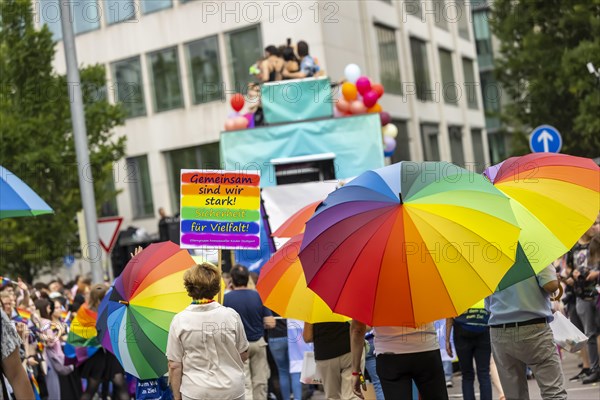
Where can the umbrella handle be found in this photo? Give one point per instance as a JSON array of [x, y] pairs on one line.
[[124, 302]]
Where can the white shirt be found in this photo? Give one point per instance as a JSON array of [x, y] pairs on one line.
[[404, 340], [208, 339]]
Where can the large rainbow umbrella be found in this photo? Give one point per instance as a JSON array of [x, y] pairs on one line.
[[17, 199], [135, 317], [555, 198], [409, 244], [282, 287]]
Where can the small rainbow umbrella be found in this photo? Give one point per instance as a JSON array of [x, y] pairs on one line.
[[282, 288], [409, 244], [294, 225], [555, 198], [83, 334], [135, 317]]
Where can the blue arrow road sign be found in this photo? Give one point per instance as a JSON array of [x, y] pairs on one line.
[[545, 138], [69, 260]]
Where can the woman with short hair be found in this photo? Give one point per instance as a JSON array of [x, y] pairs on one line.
[[207, 346]]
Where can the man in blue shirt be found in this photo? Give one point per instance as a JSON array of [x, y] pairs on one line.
[[520, 337], [255, 317]]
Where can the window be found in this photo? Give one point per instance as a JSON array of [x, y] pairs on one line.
[[490, 92], [149, 6], [205, 70], [418, 49], [429, 137], [127, 76], [478, 153], [470, 83], [86, 15], [402, 152], [138, 177], [441, 14], [463, 19], [49, 12], [201, 157], [313, 168], [109, 207], [119, 10], [389, 66], [245, 48], [483, 39], [166, 85], [456, 145], [497, 142], [449, 85]]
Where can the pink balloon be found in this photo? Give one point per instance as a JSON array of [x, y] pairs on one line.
[[363, 85], [230, 124], [240, 122], [357, 107], [385, 118], [343, 105], [370, 98]]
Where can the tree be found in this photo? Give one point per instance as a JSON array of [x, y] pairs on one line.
[[36, 142], [545, 46]]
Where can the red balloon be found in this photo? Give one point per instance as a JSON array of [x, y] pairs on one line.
[[378, 88], [357, 107], [370, 98], [385, 117], [363, 85], [343, 105], [237, 102]]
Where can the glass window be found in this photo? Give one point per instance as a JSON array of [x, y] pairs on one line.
[[49, 12], [470, 86], [389, 65], [402, 152], [200, 157], [119, 10], [449, 85], [140, 188], [418, 49], [498, 148], [478, 153], [149, 6], [441, 14], [490, 92], [456, 145], [483, 39], [166, 85], [109, 208], [127, 76], [429, 137], [244, 49], [86, 15], [205, 69], [463, 19]]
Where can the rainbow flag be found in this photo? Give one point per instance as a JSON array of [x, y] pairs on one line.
[[34, 385], [5, 281], [23, 315], [83, 334]]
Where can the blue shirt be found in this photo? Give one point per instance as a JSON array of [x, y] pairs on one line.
[[308, 66], [248, 304], [522, 301]]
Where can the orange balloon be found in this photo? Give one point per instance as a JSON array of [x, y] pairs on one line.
[[349, 91], [378, 88], [375, 109]]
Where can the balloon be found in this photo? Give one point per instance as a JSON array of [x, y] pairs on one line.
[[237, 102], [349, 91], [363, 85], [240, 122], [376, 109], [250, 118], [390, 130], [389, 144], [233, 114], [378, 88], [352, 72], [357, 107], [370, 99], [385, 118], [342, 105], [230, 125]]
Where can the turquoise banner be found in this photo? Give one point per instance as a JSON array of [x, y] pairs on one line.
[[356, 142], [297, 100]]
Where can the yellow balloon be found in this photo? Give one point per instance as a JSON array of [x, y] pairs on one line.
[[390, 130]]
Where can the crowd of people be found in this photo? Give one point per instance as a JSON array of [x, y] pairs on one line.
[[245, 354]]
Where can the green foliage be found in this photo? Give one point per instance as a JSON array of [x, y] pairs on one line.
[[545, 46], [36, 142]]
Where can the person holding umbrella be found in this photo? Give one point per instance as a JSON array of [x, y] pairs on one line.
[[207, 345]]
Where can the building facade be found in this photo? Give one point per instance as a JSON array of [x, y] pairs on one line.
[[175, 63]]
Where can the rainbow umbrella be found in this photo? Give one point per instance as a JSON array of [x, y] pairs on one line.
[[409, 244], [555, 199], [282, 288], [17, 199], [134, 319], [294, 225], [83, 335]]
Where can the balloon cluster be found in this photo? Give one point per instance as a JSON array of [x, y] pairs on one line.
[[360, 96], [235, 120]]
